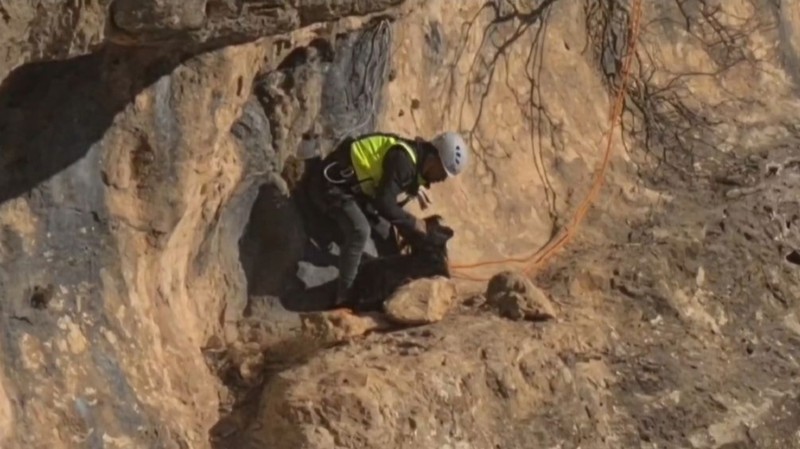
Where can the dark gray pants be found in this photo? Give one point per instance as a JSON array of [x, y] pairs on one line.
[[355, 231], [343, 208]]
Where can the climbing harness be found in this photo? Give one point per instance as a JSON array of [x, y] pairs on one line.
[[345, 174]]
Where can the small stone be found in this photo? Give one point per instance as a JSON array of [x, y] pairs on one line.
[[701, 277], [76, 341], [515, 297], [422, 301], [31, 352], [251, 368]]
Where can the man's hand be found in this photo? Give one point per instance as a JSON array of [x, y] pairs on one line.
[[423, 199]]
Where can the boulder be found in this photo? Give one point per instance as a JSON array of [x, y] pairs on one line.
[[515, 297], [422, 301]]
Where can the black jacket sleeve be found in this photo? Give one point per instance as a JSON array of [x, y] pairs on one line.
[[399, 175]]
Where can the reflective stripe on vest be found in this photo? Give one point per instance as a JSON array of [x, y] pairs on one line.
[[367, 157]]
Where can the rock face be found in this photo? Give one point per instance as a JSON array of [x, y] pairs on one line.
[[204, 22], [150, 226], [466, 383], [515, 297], [128, 176], [59, 29], [422, 301]]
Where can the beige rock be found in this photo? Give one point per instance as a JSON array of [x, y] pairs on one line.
[[338, 325], [422, 301], [251, 368], [515, 297], [158, 299], [468, 381], [31, 351], [76, 341], [7, 429]]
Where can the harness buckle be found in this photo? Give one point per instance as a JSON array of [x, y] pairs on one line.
[[344, 175]]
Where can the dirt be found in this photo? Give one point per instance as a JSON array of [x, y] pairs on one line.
[[152, 249], [717, 316]]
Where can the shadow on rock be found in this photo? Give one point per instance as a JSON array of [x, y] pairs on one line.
[[314, 299], [272, 242], [52, 113], [281, 256]]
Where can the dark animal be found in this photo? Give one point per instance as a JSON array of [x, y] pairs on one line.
[[379, 277]]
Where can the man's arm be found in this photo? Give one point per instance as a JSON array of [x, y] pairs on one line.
[[399, 172]]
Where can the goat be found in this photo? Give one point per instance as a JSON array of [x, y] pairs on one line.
[[379, 277]]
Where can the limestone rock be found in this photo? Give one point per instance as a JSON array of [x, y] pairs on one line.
[[311, 11], [515, 297], [63, 29], [141, 15], [132, 236], [459, 390], [422, 301], [337, 326]]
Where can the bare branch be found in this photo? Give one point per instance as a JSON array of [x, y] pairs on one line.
[[508, 28], [672, 129]]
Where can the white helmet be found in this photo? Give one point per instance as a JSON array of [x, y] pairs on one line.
[[453, 152]]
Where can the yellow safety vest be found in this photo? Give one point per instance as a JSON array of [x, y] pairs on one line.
[[367, 156]]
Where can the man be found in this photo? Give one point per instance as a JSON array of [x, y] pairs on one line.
[[371, 171]]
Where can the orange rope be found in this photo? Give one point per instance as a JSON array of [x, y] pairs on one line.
[[537, 259]]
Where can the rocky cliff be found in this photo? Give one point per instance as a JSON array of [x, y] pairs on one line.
[[150, 240]]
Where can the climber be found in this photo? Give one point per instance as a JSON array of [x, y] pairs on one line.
[[363, 177]]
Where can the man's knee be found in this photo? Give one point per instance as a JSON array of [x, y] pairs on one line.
[[358, 228], [361, 231]]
